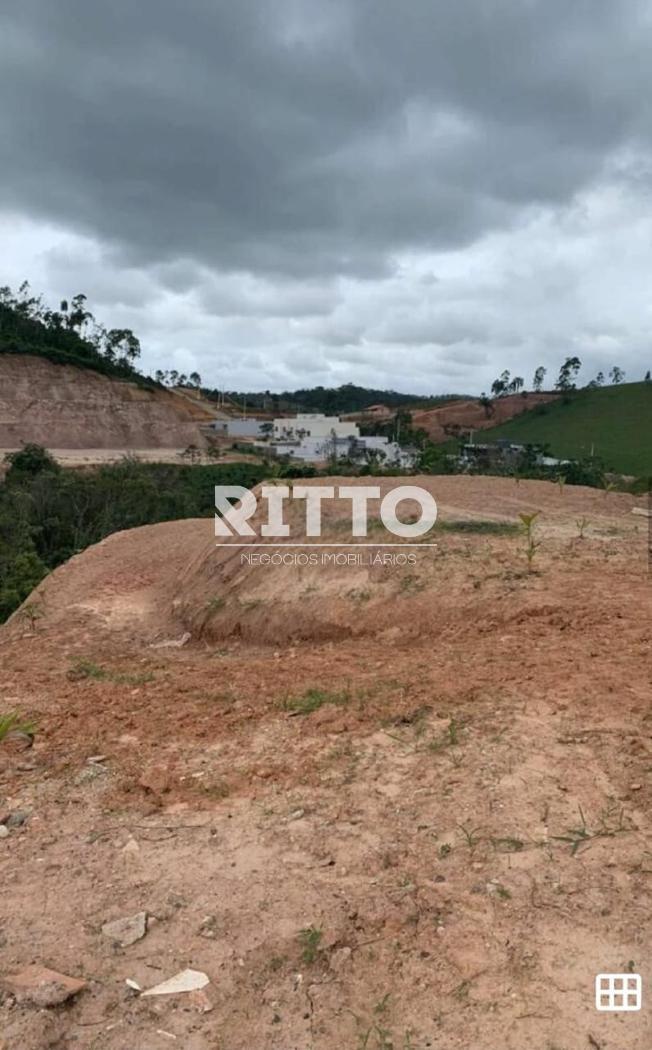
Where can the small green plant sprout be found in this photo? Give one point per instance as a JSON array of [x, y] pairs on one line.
[[608, 486], [531, 544], [582, 524], [470, 835], [561, 481], [31, 612], [12, 724], [215, 604], [310, 939]]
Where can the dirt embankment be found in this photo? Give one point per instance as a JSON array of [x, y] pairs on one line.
[[423, 823], [470, 415], [61, 406]]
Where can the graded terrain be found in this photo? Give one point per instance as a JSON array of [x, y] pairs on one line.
[[378, 806]]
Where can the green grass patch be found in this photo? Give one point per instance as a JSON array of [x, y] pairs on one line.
[[12, 722], [613, 423], [477, 527], [84, 670], [310, 940], [313, 699]]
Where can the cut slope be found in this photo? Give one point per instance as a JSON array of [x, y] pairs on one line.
[[613, 423], [162, 581], [470, 415], [61, 406]]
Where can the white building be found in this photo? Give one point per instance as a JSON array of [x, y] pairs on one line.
[[360, 450], [313, 425]]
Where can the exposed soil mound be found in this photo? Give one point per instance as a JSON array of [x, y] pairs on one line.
[[431, 839], [170, 579], [60, 406], [470, 415]]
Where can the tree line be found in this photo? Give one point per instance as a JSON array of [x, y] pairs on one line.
[[69, 334], [506, 384], [48, 513]]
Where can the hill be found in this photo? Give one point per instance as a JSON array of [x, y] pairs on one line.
[[342, 400], [69, 335], [64, 406], [613, 423], [445, 421]]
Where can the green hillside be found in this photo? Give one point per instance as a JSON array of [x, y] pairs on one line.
[[615, 423]]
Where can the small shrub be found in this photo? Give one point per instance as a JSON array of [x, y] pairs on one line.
[[312, 700], [310, 939], [532, 545], [86, 669], [13, 723]]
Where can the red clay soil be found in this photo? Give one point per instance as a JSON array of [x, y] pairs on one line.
[[64, 407], [403, 807], [470, 415]]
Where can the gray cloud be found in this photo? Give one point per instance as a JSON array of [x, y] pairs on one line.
[[282, 178]]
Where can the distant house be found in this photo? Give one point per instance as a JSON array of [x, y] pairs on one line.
[[310, 448], [502, 453], [312, 425], [240, 428]]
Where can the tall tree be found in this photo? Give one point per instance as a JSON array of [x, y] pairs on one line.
[[568, 373], [539, 376]]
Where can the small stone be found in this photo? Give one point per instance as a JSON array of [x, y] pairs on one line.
[[4, 831], [185, 981], [636, 787], [18, 818], [128, 930], [297, 814], [42, 987], [208, 927], [131, 848]]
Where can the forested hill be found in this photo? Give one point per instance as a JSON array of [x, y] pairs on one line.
[[332, 400], [69, 335]]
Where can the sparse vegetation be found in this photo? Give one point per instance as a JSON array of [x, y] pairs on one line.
[[613, 423], [48, 514], [215, 604], [313, 699], [12, 722], [87, 669], [448, 739], [478, 527], [310, 940], [531, 544]]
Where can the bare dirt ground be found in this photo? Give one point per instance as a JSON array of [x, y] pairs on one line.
[[402, 807], [93, 457]]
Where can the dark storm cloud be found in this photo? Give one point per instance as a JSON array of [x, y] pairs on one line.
[[312, 137], [395, 192]]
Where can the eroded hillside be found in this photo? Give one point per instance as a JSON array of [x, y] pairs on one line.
[[64, 407]]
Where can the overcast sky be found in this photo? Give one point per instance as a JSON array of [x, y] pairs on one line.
[[276, 193]]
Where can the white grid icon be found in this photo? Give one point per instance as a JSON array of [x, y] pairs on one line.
[[618, 991]]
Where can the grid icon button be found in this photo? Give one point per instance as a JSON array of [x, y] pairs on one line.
[[615, 992]]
